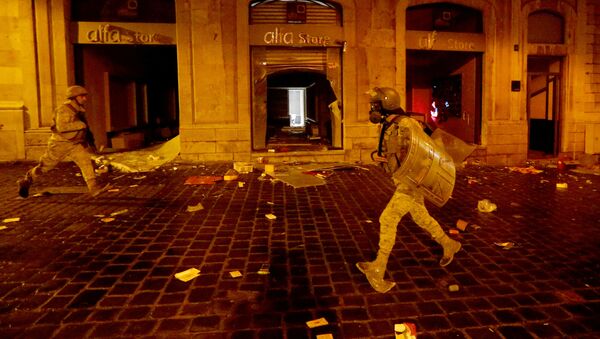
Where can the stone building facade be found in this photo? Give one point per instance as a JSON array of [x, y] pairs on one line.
[[240, 79]]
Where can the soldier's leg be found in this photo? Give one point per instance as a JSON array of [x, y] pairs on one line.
[[83, 158], [396, 208], [53, 155], [421, 217]]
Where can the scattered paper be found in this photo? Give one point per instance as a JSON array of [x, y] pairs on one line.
[[118, 212], [325, 336], [188, 274], [562, 185], [140, 177], [132, 186], [525, 170], [271, 216], [453, 288], [505, 245], [107, 219], [240, 184], [3, 227], [195, 208], [264, 269], [235, 274], [113, 190], [11, 220], [317, 322], [454, 231]]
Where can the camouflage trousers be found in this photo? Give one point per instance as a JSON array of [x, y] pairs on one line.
[[399, 205], [59, 150]]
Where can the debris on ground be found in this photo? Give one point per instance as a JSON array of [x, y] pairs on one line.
[[202, 180], [119, 212], [317, 322], [3, 227], [271, 216], [562, 185], [243, 167], [188, 274], [235, 274], [107, 219], [11, 220], [405, 331], [505, 245], [525, 170], [453, 288], [264, 269], [230, 175], [142, 160], [486, 206], [325, 336], [195, 208]]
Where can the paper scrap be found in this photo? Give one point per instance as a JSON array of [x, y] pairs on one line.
[[3, 227], [264, 269], [188, 274], [99, 215], [235, 274], [454, 231], [271, 216], [113, 190], [562, 185], [195, 208], [240, 184], [317, 322], [325, 336], [140, 177], [118, 212], [505, 245], [11, 220], [107, 219]]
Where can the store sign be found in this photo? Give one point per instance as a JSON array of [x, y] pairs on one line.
[[123, 33], [445, 41], [279, 37], [290, 35]]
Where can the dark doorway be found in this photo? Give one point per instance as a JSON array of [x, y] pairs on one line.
[[444, 88], [134, 101], [543, 105]]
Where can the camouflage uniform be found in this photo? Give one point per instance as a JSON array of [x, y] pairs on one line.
[[68, 140], [406, 199]]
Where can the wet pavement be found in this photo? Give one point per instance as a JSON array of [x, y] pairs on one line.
[[66, 273]]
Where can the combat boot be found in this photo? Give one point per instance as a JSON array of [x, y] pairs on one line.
[[96, 189], [374, 271], [24, 185], [450, 248]]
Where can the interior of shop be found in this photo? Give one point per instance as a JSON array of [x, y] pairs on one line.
[[444, 88], [134, 97]]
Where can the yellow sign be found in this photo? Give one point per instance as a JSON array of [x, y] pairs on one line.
[[123, 33], [291, 35]]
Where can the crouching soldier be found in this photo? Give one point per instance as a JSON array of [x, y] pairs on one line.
[[419, 170], [68, 140]]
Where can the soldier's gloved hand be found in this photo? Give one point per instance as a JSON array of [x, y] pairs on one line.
[[378, 158]]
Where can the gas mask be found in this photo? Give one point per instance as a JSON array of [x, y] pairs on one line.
[[376, 114]]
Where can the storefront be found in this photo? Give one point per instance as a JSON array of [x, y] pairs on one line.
[[238, 80]]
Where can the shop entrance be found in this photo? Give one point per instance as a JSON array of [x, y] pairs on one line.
[[135, 89], [295, 99], [444, 88], [543, 105]]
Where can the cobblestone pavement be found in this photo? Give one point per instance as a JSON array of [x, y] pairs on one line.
[[65, 273]]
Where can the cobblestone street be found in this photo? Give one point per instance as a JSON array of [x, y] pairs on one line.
[[67, 273]]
